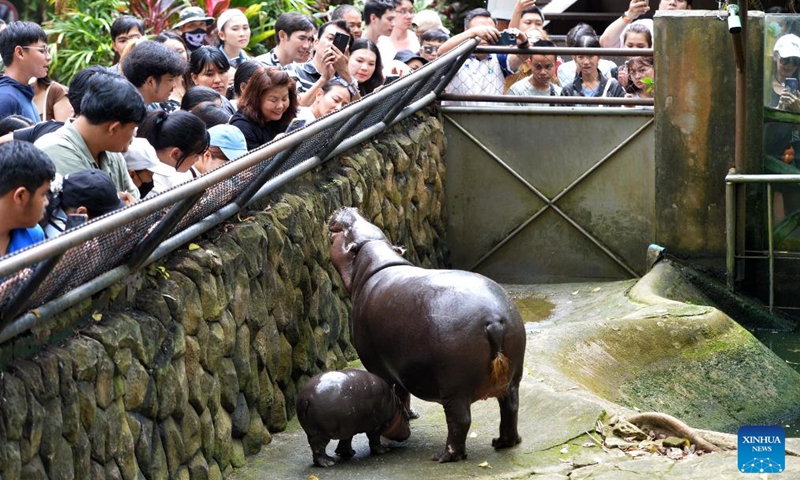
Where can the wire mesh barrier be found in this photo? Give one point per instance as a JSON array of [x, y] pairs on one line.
[[45, 279]]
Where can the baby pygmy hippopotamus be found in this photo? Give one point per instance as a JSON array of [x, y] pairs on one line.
[[339, 404]]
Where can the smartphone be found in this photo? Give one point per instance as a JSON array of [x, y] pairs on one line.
[[296, 123], [791, 85], [507, 38], [75, 219], [341, 41]]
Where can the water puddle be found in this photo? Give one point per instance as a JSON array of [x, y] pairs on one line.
[[534, 309]]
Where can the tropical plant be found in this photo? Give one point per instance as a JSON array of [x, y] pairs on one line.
[[80, 35], [156, 14]]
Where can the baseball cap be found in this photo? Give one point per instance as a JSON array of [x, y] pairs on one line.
[[229, 139], [227, 15], [193, 14], [91, 188], [406, 56], [788, 46], [142, 156], [428, 19]]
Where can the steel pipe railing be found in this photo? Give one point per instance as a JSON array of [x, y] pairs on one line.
[[732, 194]]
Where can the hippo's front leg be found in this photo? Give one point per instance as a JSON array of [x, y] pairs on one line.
[[345, 449], [459, 418], [509, 412], [375, 446]]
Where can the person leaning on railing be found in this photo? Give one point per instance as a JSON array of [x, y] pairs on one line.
[[589, 81], [483, 74]]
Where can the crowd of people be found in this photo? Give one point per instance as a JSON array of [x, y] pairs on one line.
[[174, 106]]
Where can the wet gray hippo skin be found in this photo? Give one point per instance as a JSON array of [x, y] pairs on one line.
[[340, 404], [447, 336]]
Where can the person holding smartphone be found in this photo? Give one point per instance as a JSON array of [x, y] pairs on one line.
[[328, 61], [80, 196], [483, 73]]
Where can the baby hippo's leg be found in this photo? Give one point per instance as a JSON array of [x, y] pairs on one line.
[[375, 446], [344, 449], [318, 443]]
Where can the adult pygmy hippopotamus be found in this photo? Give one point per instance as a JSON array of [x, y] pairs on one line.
[[337, 405], [447, 336]]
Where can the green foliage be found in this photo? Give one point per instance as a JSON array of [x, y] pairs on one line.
[[80, 35], [649, 83]]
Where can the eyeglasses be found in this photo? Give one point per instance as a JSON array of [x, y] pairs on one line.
[[408, 13], [792, 60], [41, 49], [429, 49], [547, 66]]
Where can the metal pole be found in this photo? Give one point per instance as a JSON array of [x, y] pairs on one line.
[[771, 254], [16, 304], [741, 136], [730, 232], [162, 231]]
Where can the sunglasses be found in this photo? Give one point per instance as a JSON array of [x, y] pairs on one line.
[[790, 60], [429, 49]]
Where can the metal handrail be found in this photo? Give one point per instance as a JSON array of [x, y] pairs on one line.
[[731, 251]]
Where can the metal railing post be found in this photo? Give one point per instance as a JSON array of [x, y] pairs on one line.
[[730, 232], [770, 247], [162, 230], [277, 162], [15, 306], [344, 132]]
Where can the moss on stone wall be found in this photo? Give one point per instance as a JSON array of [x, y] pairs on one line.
[[183, 370]]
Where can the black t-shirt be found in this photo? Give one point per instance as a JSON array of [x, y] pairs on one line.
[[31, 134]]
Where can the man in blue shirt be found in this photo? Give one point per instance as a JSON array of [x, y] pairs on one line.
[[23, 47], [25, 176]]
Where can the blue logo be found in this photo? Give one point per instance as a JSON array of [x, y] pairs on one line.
[[762, 449]]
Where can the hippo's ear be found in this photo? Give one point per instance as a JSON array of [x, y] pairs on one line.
[[399, 250]]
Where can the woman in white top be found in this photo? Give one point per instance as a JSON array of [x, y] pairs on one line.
[[234, 35]]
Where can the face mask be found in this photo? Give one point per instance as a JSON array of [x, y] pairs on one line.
[[145, 188], [195, 38]]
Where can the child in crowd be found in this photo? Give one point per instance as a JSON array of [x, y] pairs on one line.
[[89, 192]]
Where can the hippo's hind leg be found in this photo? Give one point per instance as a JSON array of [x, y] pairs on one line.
[[345, 449], [459, 418], [509, 413], [318, 443]]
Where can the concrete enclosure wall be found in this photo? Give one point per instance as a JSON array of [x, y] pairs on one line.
[[550, 195], [183, 370], [695, 128]]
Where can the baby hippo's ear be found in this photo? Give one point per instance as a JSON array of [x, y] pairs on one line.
[[399, 250]]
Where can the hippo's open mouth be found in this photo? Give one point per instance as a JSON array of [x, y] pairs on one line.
[[342, 219]]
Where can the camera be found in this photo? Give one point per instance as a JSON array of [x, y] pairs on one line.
[[507, 38], [734, 22]]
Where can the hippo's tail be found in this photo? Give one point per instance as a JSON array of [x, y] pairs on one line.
[[500, 372]]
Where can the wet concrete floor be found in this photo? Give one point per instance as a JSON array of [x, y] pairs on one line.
[[556, 424]]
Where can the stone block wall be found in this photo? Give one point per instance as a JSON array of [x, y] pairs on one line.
[[184, 369]]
